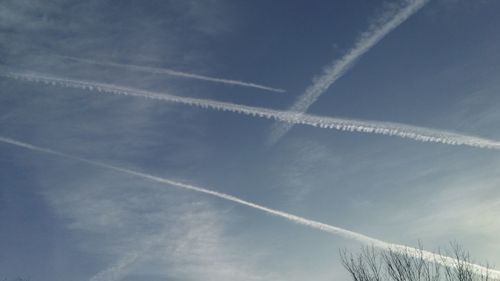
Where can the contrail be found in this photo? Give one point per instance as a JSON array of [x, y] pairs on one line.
[[172, 72], [118, 270], [429, 256], [351, 125], [377, 31]]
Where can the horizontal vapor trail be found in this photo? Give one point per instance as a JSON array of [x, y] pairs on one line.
[[429, 256], [377, 31], [351, 125], [171, 72]]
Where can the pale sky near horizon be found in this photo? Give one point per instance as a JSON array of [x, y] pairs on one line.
[[65, 220]]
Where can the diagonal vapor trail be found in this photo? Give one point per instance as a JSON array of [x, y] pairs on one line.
[[390, 20], [118, 270], [429, 256], [171, 72], [350, 125]]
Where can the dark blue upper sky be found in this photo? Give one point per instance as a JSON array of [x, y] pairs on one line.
[[65, 220]]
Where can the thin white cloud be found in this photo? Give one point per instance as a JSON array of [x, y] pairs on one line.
[[459, 206], [196, 245], [390, 19], [429, 256], [141, 234], [421, 134], [301, 166], [171, 72]]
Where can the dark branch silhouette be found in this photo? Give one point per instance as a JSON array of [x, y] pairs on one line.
[[381, 265]]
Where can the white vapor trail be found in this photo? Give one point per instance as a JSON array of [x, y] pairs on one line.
[[172, 72], [118, 270], [429, 256], [377, 31], [350, 125]]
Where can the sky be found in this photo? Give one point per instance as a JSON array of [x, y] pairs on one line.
[[437, 67]]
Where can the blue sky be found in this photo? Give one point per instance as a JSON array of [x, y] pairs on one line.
[[66, 220]]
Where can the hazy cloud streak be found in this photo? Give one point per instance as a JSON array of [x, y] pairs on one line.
[[429, 256], [377, 31], [351, 125], [172, 72], [118, 270]]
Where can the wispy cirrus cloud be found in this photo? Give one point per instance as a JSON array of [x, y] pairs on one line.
[[301, 165], [191, 245], [462, 205], [149, 234]]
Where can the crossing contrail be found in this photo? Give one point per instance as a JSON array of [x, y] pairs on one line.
[[351, 125], [171, 72], [377, 31], [429, 256]]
